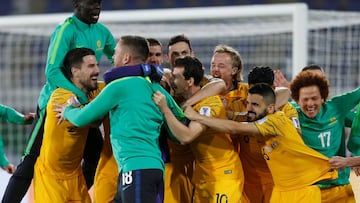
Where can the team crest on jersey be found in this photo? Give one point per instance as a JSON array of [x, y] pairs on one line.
[[205, 111], [98, 44], [332, 121]]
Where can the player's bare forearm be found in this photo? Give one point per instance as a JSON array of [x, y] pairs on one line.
[[222, 125], [338, 162], [216, 86], [183, 134]]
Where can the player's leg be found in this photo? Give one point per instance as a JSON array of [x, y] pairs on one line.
[[94, 143], [20, 181]]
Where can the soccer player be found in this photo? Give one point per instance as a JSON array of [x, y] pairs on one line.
[[135, 124], [58, 175], [218, 174], [259, 183], [174, 190], [155, 50], [354, 137], [322, 122], [226, 64], [10, 115], [80, 30], [179, 170], [287, 156]]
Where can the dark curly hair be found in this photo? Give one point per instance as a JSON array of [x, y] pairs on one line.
[[306, 79]]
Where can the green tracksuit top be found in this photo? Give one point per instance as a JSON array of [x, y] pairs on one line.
[[73, 33], [9, 115], [354, 138], [135, 121], [324, 133]]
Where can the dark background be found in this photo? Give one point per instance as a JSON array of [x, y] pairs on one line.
[[14, 7]]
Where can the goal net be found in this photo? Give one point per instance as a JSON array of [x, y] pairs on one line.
[[282, 36]]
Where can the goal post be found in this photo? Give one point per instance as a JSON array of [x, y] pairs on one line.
[[282, 36], [298, 12]]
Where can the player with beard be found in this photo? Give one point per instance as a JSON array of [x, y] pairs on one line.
[[57, 175], [80, 30], [287, 156], [259, 183], [322, 122], [218, 175]]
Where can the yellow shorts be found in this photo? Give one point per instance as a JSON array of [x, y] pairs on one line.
[[105, 183], [177, 185], [56, 190], [306, 194], [220, 191], [338, 194]]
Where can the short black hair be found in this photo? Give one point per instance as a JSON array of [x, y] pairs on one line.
[[261, 74], [193, 68], [153, 42], [265, 90], [74, 58], [179, 38]]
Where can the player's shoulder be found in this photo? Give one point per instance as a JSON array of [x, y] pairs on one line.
[[61, 92], [69, 22], [242, 85], [102, 27], [66, 27], [60, 96]]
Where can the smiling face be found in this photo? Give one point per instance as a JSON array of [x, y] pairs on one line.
[[88, 11], [86, 76], [310, 100], [221, 67], [179, 83]]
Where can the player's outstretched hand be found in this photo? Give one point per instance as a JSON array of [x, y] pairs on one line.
[[59, 108], [29, 117], [280, 80], [9, 168]]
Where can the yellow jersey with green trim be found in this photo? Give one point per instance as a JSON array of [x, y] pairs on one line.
[[63, 144]]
